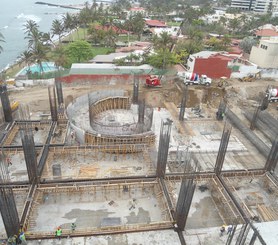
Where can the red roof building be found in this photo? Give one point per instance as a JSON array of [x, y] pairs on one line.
[[215, 66], [155, 23], [267, 30]]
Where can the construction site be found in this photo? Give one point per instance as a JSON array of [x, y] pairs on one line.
[[133, 164]]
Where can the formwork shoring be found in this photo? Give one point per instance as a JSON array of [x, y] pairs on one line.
[[254, 139], [223, 148], [272, 159], [7, 202], [30, 154], [6, 103], [59, 90], [135, 89], [53, 103], [164, 140], [183, 104], [184, 202]]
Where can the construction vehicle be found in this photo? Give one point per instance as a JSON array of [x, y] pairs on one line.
[[223, 82], [272, 94], [251, 77], [190, 78], [14, 105], [153, 81]]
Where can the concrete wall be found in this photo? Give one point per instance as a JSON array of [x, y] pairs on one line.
[[245, 70], [101, 79], [26, 83], [265, 55]]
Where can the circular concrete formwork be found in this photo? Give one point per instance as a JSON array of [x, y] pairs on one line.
[[85, 115]]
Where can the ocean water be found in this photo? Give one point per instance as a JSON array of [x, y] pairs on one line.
[[13, 16]]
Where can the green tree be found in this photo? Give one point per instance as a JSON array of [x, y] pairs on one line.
[[247, 43], [26, 58], [79, 51], [60, 58], [163, 58], [164, 41], [136, 24]]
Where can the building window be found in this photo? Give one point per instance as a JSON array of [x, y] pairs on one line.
[[263, 46], [190, 59]]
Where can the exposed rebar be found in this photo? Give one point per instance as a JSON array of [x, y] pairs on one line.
[[7, 202], [223, 148], [6, 103], [135, 89], [184, 202], [183, 104], [164, 140], [52, 103]]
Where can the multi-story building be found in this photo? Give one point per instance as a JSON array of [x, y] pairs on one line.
[[243, 4], [260, 6], [265, 55]]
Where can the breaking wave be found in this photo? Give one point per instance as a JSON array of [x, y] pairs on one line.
[[35, 18]]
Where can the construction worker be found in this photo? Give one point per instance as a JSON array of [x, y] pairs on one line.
[[12, 240], [229, 229], [22, 238], [58, 233], [222, 230], [73, 226]]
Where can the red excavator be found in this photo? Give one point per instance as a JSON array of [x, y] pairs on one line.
[[153, 81]]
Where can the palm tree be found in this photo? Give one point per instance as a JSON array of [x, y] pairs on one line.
[[26, 57], [164, 41], [1, 40], [30, 26], [39, 51], [57, 29], [34, 36]]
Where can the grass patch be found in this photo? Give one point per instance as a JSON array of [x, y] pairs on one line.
[[172, 23], [79, 34]]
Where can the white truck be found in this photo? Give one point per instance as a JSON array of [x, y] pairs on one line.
[[191, 78], [272, 94]]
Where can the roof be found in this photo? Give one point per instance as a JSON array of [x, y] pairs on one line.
[[108, 58], [204, 54], [137, 9], [111, 69], [214, 67], [266, 33], [156, 23]]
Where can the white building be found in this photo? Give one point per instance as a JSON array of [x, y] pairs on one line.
[[259, 6], [265, 55]]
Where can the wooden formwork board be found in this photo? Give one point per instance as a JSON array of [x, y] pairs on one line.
[[109, 104], [96, 139]]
